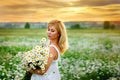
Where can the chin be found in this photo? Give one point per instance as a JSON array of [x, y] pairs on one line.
[[49, 38]]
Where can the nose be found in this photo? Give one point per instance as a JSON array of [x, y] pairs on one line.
[[48, 32]]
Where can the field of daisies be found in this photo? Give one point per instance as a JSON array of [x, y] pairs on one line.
[[92, 54]]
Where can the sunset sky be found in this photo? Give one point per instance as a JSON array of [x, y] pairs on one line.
[[66, 10]]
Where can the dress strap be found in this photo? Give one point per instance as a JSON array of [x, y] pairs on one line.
[[57, 51]]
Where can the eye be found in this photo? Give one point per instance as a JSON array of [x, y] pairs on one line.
[[52, 31], [48, 29]]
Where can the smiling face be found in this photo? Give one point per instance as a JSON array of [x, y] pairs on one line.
[[52, 33]]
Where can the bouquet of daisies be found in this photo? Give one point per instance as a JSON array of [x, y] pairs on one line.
[[37, 57]]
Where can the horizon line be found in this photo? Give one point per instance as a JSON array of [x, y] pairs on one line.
[[47, 21]]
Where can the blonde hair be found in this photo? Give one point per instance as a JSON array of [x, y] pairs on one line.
[[63, 40]]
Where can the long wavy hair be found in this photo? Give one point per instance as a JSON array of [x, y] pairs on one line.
[[63, 40]]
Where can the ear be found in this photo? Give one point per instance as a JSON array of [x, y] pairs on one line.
[[58, 35]]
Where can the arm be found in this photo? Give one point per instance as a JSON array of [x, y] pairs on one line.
[[53, 55]]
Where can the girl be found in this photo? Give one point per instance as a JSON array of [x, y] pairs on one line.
[[57, 35]]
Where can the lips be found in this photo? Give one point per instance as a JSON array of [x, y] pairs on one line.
[[49, 36]]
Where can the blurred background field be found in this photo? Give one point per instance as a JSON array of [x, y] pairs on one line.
[[93, 28], [93, 54]]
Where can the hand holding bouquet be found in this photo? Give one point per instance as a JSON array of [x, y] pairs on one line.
[[37, 57]]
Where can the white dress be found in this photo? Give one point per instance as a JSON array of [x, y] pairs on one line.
[[52, 73]]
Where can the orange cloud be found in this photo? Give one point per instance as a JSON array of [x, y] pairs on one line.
[[72, 10]]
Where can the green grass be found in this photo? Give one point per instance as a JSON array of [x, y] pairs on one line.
[[88, 48]]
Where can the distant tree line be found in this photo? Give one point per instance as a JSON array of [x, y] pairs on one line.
[[108, 25], [27, 25], [90, 25], [77, 26]]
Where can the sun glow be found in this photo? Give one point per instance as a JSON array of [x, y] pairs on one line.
[[65, 0], [67, 10]]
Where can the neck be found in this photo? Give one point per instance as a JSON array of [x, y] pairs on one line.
[[54, 42]]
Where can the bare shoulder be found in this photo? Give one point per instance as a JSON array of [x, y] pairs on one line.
[[53, 52]]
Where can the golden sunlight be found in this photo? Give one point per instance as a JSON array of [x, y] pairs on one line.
[[67, 10]]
